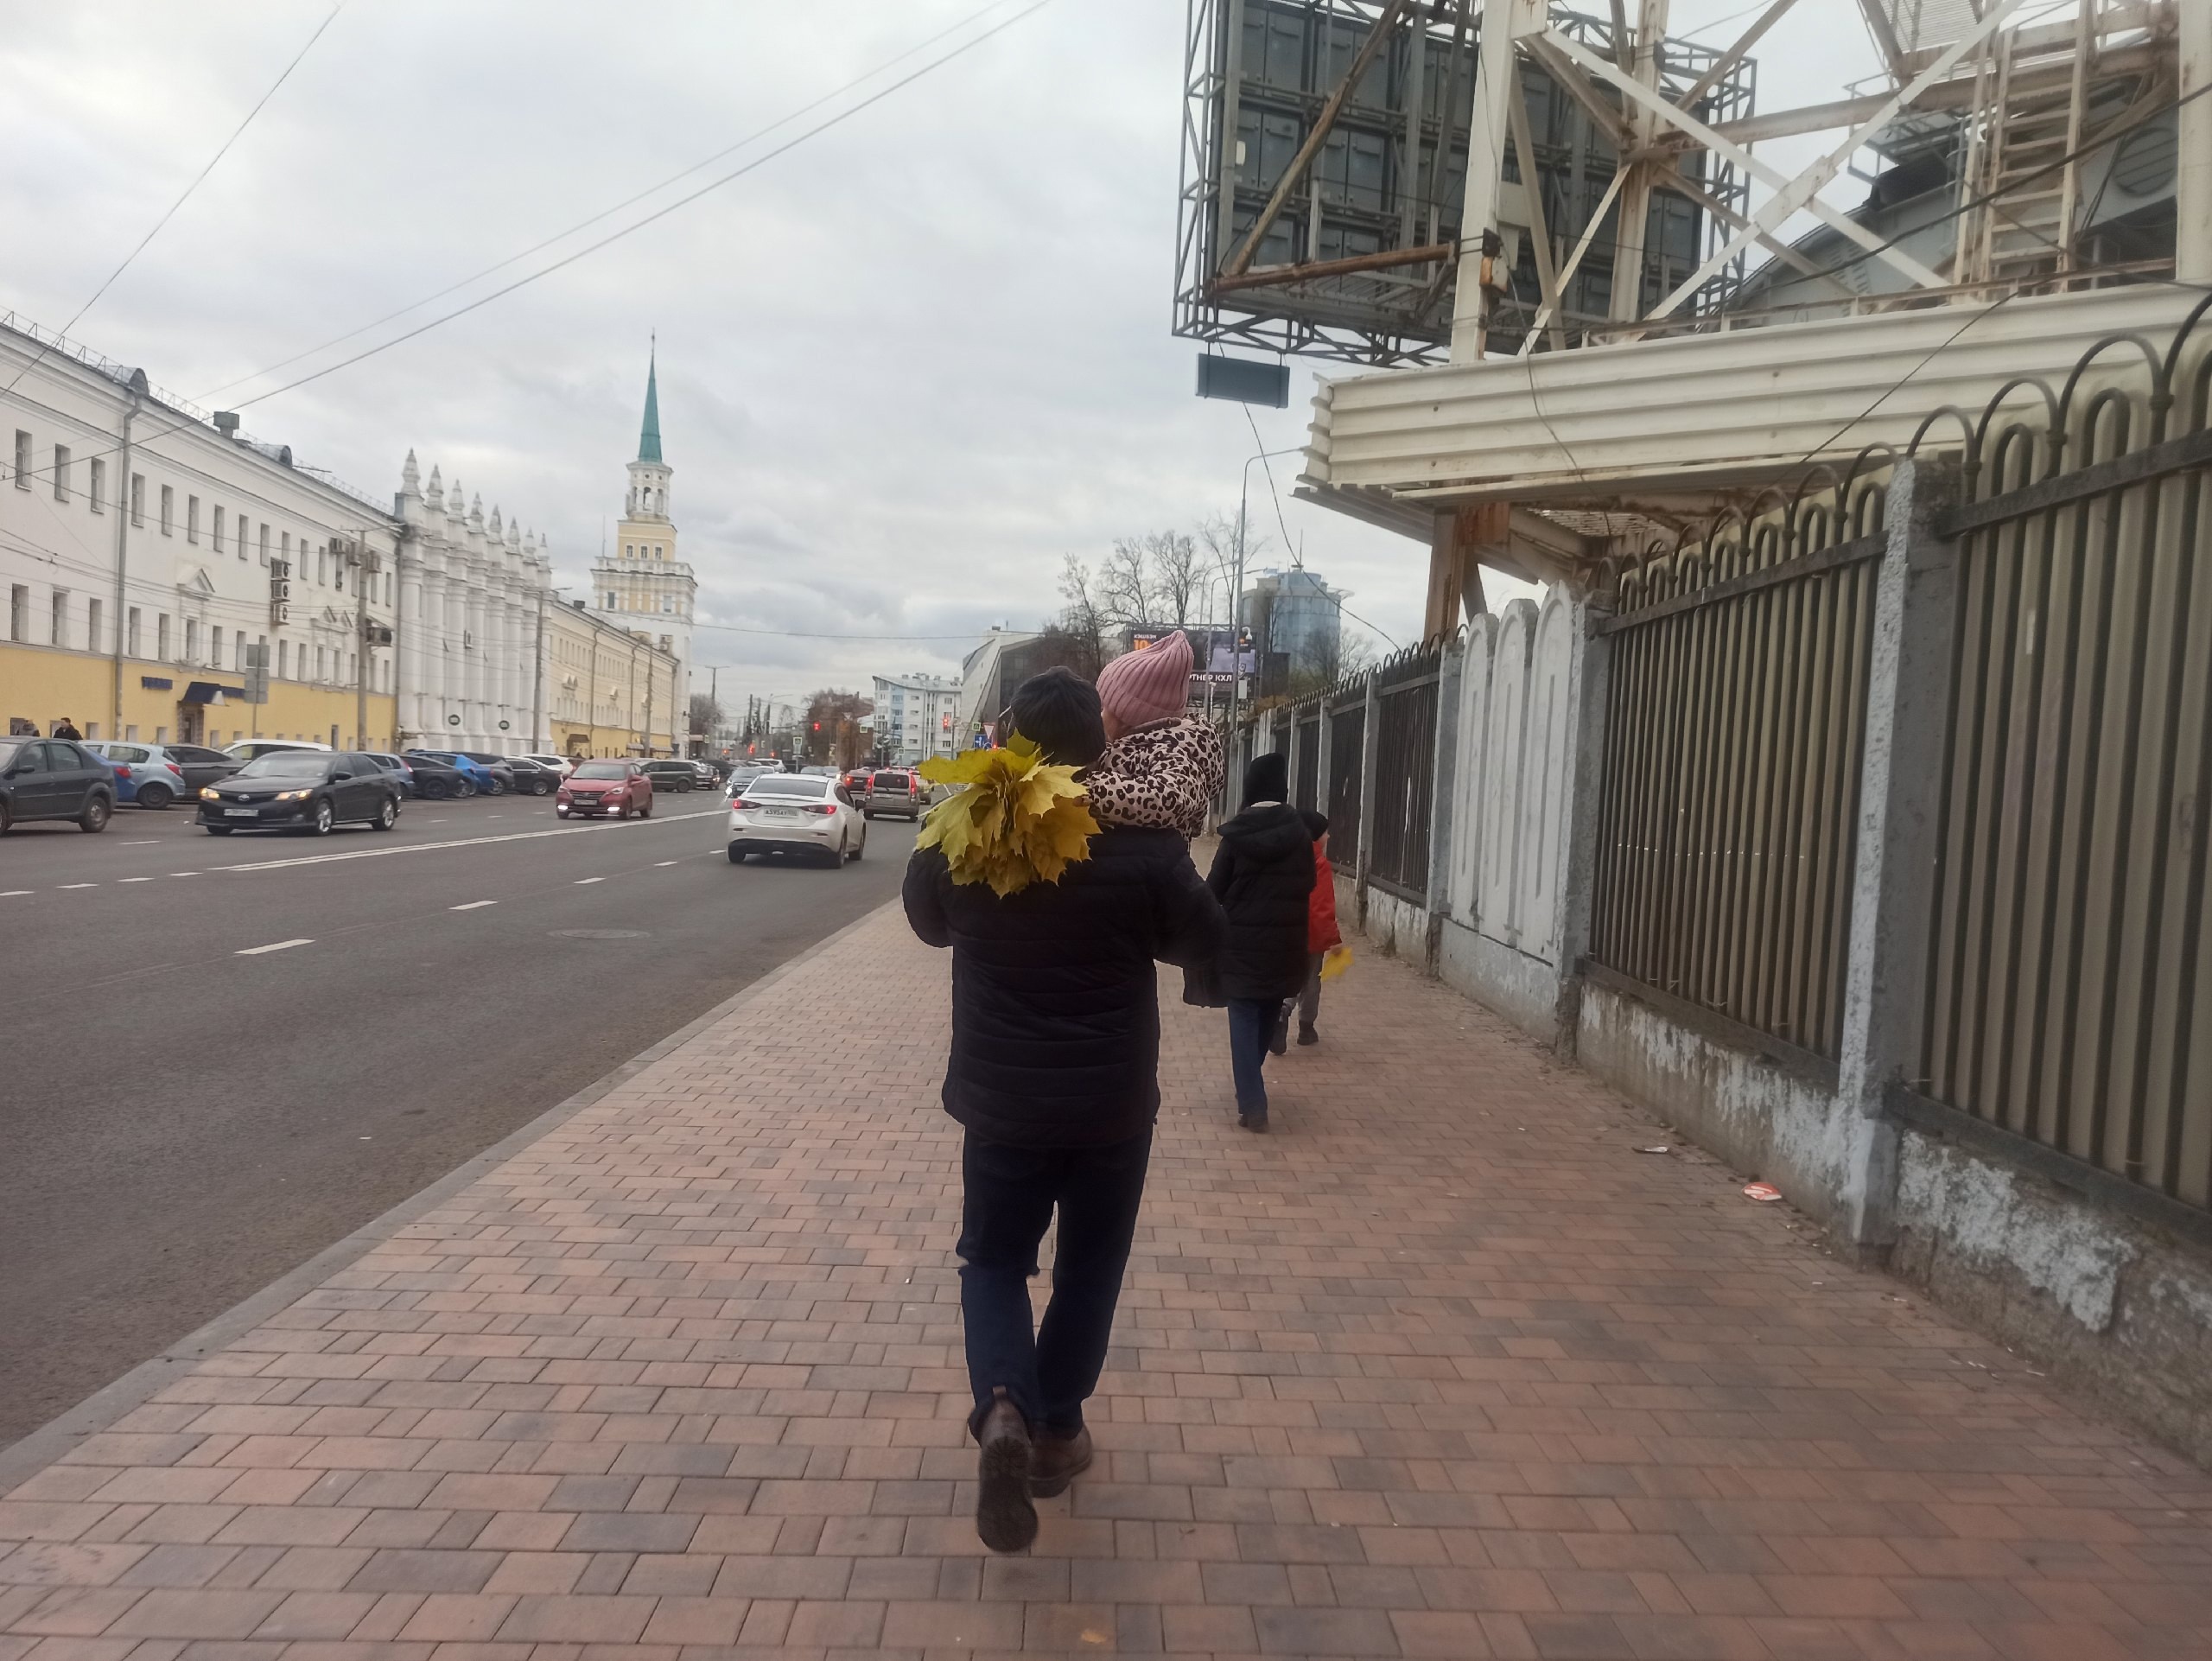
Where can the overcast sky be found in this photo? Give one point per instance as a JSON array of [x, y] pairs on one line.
[[904, 368]]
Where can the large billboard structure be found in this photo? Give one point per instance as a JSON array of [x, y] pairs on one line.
[[1324, 169]]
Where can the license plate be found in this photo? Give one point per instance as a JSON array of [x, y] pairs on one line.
[[241, 812]]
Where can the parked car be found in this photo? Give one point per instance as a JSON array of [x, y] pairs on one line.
[[302, 790], [597, 788], [54, 779], [894, 790], [248, 749], [559, 764], [503, 773], [153, 776], [794, 813], [668, 773], [705, 773], [401, 769], [432, 781], [533, 778], [477, 776]]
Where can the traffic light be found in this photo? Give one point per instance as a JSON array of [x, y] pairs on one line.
[[817, 726]]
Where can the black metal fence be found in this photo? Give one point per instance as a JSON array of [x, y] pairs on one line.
[[1347, 759], [1730, 778], [2069, 990], [1305, 759], [1405, 771]]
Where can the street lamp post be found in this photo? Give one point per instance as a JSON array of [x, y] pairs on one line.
[[1236, 604]]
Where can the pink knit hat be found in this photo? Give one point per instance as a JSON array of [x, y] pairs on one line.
[[1150, 683]]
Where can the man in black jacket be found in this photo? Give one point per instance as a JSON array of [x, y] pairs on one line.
[[1263, 877], [1055, 1073]]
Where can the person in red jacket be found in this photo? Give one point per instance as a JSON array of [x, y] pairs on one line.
[[1321, 931]]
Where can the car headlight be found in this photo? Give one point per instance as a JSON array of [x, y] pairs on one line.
[[294, 795], [209, 795]]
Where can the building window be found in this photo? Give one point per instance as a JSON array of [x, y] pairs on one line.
[[138, 499], [92, 626], [60, 629], [264, 541], [283, 660], [218, 534], [96, 486], [284, 552], [192, 639], [317, 662], [19, 612], [22, 460], [321, 565], [161, 637], [130, 733], [192, 519], [168, 510], [61, 473], [131, 636], [215, 647]]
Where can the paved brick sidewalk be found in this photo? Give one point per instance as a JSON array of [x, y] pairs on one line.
[[1443, 1368]]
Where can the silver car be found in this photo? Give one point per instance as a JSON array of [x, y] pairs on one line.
[[156, 775]]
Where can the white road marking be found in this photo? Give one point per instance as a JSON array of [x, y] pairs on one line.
[[147, 842], [657, 865], [281, 945], [473, 905], [134, 879], [196, 873], [80, 885], [11, 894], [467, 842], [583, 879]]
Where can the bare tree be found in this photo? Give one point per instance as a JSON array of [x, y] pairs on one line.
[[706, 714], [1084, 618], [1124, 584], [1178, 573]]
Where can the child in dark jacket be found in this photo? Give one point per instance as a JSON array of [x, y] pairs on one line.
[[1263, 877], [1054, 1074]]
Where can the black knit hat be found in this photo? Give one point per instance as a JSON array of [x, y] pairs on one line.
[[1058, 711], [1267, 779]]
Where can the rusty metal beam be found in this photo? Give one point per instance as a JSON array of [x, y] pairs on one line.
[[1241, 260], [1273, 275]]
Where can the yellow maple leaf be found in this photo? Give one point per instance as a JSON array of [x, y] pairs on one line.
[[1018, 819]]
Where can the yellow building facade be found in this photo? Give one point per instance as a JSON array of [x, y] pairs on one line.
[[608, 691]]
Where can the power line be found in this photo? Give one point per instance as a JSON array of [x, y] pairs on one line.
[[196, 180], [781, 121], [844, 115], [659, 214]]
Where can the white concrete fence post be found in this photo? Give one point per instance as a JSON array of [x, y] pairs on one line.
[[1900, 803]]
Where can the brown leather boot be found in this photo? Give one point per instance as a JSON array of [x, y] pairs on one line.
[[1005, 1520], [1055, 1461]]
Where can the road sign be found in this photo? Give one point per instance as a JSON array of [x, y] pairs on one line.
[[256, 674]]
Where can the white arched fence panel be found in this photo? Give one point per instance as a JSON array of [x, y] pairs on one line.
[[1498, 808], [1471, 773], [1543, 777]]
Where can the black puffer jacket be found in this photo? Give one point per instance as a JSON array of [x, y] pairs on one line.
[[1055, 1007], [1263, 876]]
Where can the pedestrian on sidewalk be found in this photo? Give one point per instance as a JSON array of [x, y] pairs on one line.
[[1162, 767], [1321, 934], [66, 730], [1263, 877], [1054, 1074]]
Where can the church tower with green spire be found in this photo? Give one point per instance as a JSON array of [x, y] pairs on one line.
[[639, 584]]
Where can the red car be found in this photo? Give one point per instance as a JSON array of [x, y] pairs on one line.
[[617, 789]]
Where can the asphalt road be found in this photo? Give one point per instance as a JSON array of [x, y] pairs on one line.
[[223, 1054]]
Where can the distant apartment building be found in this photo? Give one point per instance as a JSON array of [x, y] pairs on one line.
[[917, 716]]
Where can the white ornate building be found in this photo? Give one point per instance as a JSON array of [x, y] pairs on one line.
[[470, 624]]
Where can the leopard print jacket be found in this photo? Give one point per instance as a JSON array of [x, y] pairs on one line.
[[1160, 775]]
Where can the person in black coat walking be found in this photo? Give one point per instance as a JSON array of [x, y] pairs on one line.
[[1054, 1073], [1263, 877]]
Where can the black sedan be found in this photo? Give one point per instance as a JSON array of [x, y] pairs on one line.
[[54, 779], [302, 790], [533, 779], [672, 776]]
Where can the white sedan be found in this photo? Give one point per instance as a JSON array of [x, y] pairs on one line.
[[794, 813]]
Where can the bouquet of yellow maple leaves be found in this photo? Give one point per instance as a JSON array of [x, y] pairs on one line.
[[1019, 820]]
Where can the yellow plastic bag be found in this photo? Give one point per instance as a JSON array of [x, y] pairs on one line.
[[1335, 961]]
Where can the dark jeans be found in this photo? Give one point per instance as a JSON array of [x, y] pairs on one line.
[[1010, 1193], [1309, 997], [1251, 1024]]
